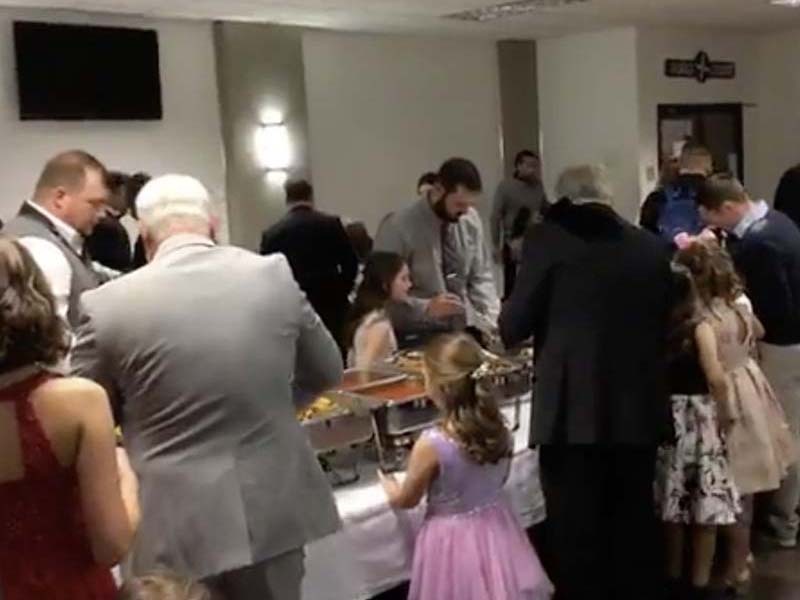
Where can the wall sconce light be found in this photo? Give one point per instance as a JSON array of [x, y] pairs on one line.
[[273, 148], [277, 177]]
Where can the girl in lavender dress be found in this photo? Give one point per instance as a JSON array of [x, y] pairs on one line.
[[471, 546]]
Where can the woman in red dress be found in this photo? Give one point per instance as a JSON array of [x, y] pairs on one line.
[[68, 505]]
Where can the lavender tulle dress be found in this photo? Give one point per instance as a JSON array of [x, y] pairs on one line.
[[471, 545]]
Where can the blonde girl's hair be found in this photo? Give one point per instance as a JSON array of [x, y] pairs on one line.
[[713, 272], [163, 586], [471, 412]]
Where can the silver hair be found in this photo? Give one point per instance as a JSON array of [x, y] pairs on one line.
[[172, 201], [585, 183]]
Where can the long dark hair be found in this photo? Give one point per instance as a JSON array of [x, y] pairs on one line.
[[380, 271], [30, 329], [471, 413], [133, 186], [787, 196], [685, 315]]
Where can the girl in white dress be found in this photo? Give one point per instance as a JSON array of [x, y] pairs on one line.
[[369, 332]]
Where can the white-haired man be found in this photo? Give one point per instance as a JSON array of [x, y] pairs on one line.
[[202, 351], [593, 291]]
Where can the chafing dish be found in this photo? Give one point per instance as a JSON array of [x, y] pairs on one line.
[[506, 376], [338, 435], [342, 417], [400, 411], [340, 425], [384, 411]]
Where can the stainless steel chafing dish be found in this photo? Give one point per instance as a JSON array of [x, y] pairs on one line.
[[507, 377], [383, 411], [398, 407], [342, 424]]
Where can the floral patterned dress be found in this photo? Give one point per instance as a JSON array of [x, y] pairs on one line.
[[694, 484]]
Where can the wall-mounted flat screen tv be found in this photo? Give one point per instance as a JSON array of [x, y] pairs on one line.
[[81, 72]]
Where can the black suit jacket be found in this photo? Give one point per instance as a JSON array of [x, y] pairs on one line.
[[594, 291], [110, 245], [322, 259]]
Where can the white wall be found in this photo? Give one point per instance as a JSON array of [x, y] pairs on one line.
[[187, 140], [778, 143], [384, 109], [259, 68], [588, 99], [654, 46]]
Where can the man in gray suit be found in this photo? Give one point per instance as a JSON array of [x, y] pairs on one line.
[[202, 351]]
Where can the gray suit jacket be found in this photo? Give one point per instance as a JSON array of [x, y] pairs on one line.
[[200, 352], [415, 234]]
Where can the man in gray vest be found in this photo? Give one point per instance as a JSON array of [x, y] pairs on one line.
[[69, 199]]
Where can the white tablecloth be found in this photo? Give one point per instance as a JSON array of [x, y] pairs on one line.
[[372, 552]]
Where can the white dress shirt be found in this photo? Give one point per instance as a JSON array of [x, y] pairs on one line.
[[51, 260], [757, 212]]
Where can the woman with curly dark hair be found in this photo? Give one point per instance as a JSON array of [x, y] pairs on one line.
[[67, 499]]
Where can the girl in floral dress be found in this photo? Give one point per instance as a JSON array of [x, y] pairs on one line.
[[695, 489]]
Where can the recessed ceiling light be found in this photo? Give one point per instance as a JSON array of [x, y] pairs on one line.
[[790, 3], [509, 9]]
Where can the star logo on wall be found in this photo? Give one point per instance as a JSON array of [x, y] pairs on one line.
[[701, 68]]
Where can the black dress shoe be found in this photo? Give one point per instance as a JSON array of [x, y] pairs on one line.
[[676, 589], [707, 593]]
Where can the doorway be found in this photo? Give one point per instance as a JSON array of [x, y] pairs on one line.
[[716, 126]]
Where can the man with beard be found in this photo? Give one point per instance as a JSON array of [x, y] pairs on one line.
[[441, 238], [517, 202]]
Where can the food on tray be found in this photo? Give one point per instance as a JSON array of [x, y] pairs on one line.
[[409, 361], [357, 378], [400, 391], [321, 407]]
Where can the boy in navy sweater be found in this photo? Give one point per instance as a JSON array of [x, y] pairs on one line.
[[765, 246]]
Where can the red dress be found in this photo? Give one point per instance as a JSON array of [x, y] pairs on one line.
[[44, 550]]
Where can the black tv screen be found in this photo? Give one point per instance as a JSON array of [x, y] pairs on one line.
[[79, 72]]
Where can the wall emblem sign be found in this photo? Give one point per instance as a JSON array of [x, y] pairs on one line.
[[701, 68]]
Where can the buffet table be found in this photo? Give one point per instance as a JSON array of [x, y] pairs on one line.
[[373, 550]]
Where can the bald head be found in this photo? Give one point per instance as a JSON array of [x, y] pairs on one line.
[[73, 186]]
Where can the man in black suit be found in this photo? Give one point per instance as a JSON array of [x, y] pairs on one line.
[[594, 291], [320, 253]]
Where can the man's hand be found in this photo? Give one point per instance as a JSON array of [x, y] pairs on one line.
[[444, 305]]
